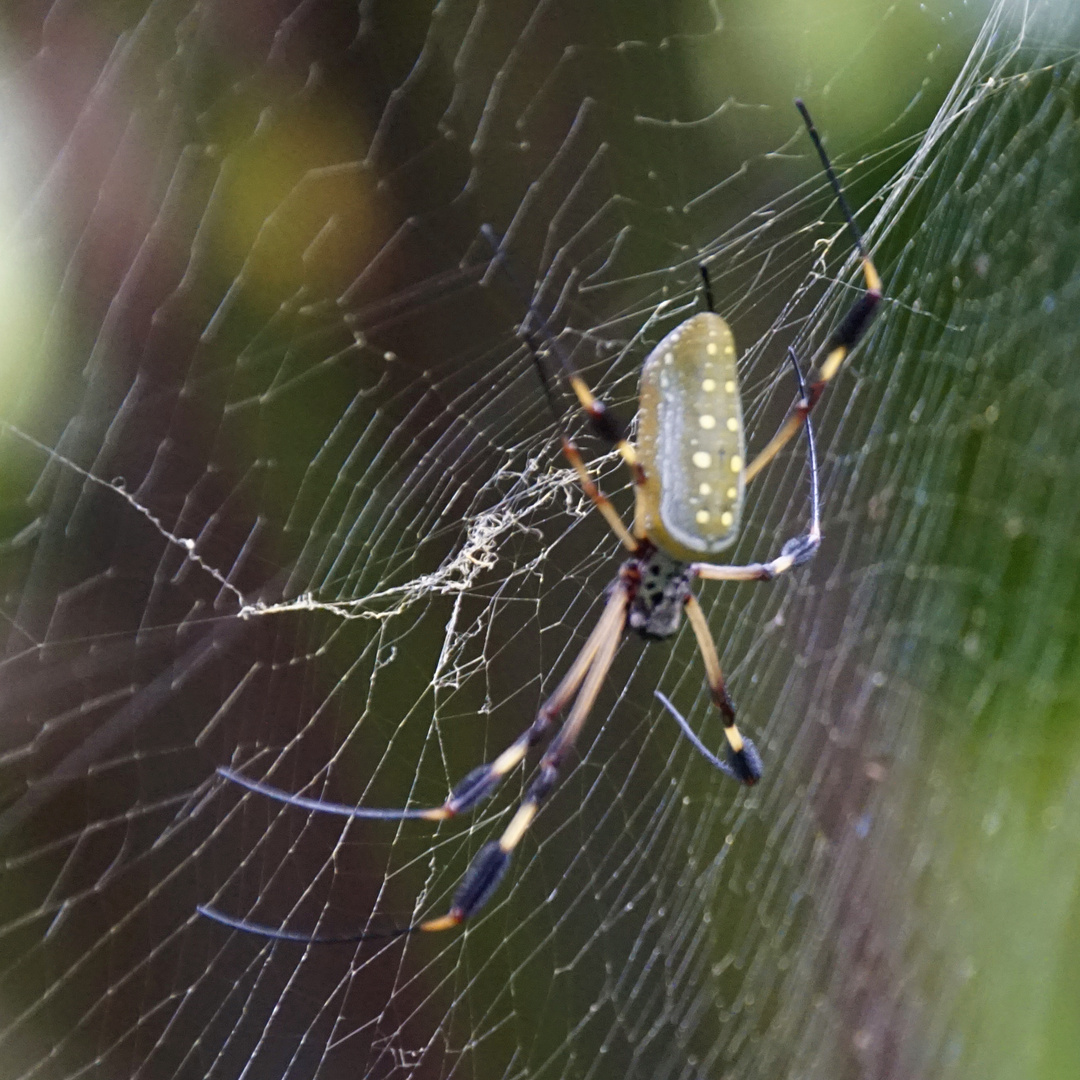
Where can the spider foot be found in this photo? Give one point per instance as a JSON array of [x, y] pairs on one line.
[[480, 881], [474, 789], [484, 874], [801, 549], [746, 763]]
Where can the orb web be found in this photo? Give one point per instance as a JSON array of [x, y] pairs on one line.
[[283, 494]]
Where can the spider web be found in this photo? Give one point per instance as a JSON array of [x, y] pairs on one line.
[[281, 492]]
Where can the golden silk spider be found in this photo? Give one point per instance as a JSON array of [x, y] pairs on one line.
[[689, 474]]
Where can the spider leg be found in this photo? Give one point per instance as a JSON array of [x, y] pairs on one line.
[[743, 759], [434, 813], [845, 337], [604, 424], [296, 935], [477, 785], [489, 864], [691, 734], [573, 455]]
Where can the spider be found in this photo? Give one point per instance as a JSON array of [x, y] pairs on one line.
[[689, 475]]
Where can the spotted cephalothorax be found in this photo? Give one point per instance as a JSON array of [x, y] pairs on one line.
[[689, 477], [663, 584]]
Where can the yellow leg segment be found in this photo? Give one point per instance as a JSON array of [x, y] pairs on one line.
[[599, 499], [597, 410], [713, 673]]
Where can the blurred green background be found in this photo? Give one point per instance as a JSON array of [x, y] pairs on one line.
[[252, 355]]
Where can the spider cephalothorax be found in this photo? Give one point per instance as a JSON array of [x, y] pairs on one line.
[[661, 586]]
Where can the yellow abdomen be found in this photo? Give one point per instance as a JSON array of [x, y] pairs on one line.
[[690, 442]]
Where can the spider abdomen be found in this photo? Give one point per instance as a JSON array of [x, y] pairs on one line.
[[691, 442]]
